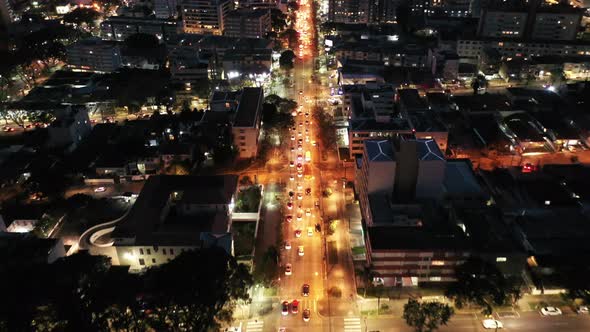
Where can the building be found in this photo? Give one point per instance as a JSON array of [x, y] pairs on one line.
[[205, 16], [120, 27], [409, 100], [173, 214], [369, 101], [70, 129], [187, 67], [503, 23], [166, 8], [397, 171], [254, 65], [348, 11], [534, 22], [246, 125], [247, 23], [473, 48], [257, 4], [94, 54]]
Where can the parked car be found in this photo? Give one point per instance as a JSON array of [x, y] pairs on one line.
[[550, 311]]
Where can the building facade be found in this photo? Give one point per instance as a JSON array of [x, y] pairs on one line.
[[94, 55], [120, 27], [247, 23], [205, 16], [246, 125]]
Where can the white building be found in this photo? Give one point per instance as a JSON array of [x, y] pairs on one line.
[[246, 125]]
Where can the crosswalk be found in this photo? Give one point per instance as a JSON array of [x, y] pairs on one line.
[[352, 324], [254, 326]]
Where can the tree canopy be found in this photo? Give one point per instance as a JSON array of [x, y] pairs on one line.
[[483, 284], [195, 291], [426, 316], [287, 58], [81, 16]]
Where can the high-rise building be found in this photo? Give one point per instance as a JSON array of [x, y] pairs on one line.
[[94, 55], [166, 8], [349, 11], [205, 16]]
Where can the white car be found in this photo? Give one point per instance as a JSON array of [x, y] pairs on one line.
[[308, 212], [309, 231], [288, 270], [291, 178], [492, 324], [292, 137], [287, 245], [582, 310], [550, 311], [100, 189], [300, 251]]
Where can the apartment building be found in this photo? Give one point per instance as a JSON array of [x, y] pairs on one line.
[[205, 16], [503, 23], [187, 67], [247, 23], [120, 27], [246, 124], [94, 54]]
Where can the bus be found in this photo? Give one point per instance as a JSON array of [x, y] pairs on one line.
[[307, 156]]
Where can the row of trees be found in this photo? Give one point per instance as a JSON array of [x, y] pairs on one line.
[[325, 122], [196, 291]]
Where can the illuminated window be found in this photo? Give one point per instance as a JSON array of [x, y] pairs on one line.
[[438, 263], [501, 259]]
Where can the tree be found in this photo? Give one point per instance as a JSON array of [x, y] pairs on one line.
[[481, 283], [325, 122], [287, 58], [557, 76], [186, 297], [428, 316], [366, 274], [267, 268], [178, 167], [293, 5], [278, 19], [80, 16]]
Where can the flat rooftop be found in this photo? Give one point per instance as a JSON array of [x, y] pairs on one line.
[[411, 99], [248, 110]]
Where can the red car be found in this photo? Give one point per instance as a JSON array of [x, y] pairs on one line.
[[289, 205], [294, 307], [298, 233], [289, 218]]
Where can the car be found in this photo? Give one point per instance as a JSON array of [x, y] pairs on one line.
[[289, 218], [8, 129], [282, 329], [299, 147], [307, 139], [299, 174], [291, 164], [299, 157], [299, 217], [299, 166], [285, 310], [300, 251], [289, 205], [308, 212], [297, 233], [292, 149], [300, 134], [292, 137], [582, 310], [291, 193], [288, 270], [299, 196], [300, 141], [309, 231], [29, 126], [306, 114], [308, 191], [318, 228], [550, 311], [100, 189], [300, 92], [306, 315], [299, 186], [294, 113], [492, 324], [300, 124], [313, 143], [287, 245], [305, 290], [291, 177], [295, 307]]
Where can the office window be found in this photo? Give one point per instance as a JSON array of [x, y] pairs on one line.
[[154, 260], [435, 278], [501, 259], [141, 261]]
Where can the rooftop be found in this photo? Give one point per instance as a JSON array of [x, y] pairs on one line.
[[396, 124], [411, 99], [381, 150], [167, 210], [248, 110], [460, 179], [522, 124]]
